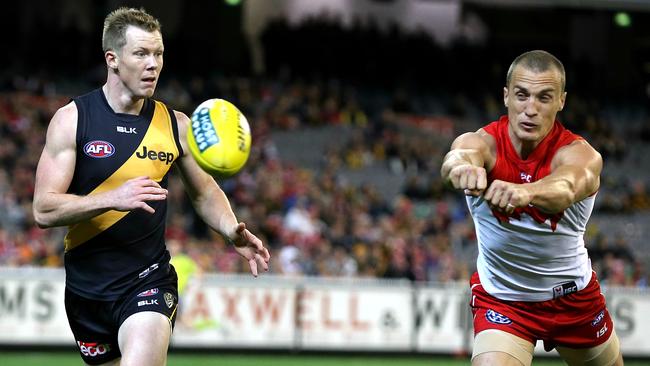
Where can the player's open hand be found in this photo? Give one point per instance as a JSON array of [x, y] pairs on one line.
[[250, 247], [134, 194]]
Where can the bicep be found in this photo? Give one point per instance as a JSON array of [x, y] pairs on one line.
[[582, 164], [57, 162], [195, 179], [475, 147]]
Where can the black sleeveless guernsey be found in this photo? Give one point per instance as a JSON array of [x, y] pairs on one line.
[[112, 252]]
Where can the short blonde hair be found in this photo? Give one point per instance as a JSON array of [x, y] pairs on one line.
[[116, 23], [538, 61]]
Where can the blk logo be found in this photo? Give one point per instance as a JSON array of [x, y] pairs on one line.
[[99, 149], [123, 129], [148, 302]]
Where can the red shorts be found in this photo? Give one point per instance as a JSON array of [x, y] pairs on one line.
[[576, 320]]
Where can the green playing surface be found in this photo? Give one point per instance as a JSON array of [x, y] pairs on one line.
[[29, 358]]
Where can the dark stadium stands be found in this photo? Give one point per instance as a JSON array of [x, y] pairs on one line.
[[337, 197], [349, 127]]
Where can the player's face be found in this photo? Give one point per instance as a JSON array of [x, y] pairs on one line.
[[140, 61], [533, 100]]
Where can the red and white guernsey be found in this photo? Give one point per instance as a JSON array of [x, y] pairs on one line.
[[530, 255]]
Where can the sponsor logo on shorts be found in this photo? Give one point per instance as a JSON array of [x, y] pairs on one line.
[[146, 272], [598, 318], [496, 318], [99, 149], [148, 302], [149, 292], [93, 349], [564, 289], [169, 299]]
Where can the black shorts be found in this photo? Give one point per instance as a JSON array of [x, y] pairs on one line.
[[95, 323]]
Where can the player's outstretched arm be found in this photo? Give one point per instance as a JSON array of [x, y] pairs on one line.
[[464, 166], [53, 206], [213, 206], [575, 175]]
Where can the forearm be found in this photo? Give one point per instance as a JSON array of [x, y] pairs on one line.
[[60, 209], [214, 208], [559, 190], [551, 195]]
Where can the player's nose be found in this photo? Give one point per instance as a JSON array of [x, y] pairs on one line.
[[531, 108], [152, 63]]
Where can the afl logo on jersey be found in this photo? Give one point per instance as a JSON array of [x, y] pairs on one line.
[[99, 149]]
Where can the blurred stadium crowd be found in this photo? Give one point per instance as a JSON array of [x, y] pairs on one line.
[[316, 219]]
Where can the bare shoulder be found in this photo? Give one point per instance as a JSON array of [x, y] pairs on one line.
[[479, 140], [579, 153], [62, 130], [183, 121], [183, 125], [66, 115], [488, 139], [181, 117]]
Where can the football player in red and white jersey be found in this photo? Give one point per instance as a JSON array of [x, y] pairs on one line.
[[530, 186]]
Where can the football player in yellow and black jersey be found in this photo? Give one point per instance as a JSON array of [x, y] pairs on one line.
[[103, 173]]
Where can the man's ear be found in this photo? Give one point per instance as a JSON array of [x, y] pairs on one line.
[[112, 59], [505, 96], [562, 100]]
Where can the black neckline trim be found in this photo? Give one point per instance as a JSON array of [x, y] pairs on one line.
[[145, 113]]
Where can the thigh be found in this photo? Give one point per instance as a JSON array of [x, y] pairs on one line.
[[496, 347], [144, 338], [605, 354], [94, 331], [147, 319], [158, 297]]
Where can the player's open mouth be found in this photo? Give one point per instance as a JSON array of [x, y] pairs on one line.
[[527, 125], [149, 80]]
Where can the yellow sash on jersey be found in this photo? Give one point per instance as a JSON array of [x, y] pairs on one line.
[[159, 137]]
